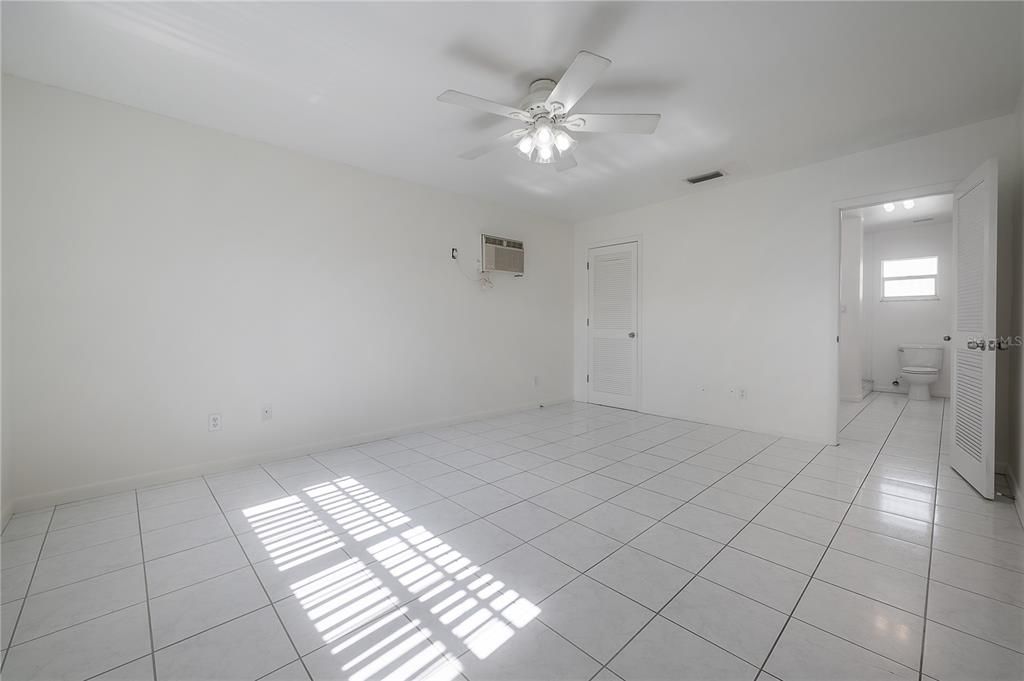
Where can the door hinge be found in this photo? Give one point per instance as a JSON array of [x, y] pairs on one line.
[[588, 264], [588, 321], [588, 378], [837, 339]]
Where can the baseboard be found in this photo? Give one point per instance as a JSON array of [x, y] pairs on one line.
[[806, 437], [6, 511], [1018, 499], [128, 483], [902, 391]]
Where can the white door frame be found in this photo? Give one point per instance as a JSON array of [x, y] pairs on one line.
[[639, 310], [837, 220]]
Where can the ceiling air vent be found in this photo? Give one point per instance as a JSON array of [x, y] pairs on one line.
[[713, 175], [918, 220]]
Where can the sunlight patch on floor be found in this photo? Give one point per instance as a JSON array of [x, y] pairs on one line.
[[371, 609]]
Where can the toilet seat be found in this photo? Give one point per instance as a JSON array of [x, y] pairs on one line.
[[924, 371]]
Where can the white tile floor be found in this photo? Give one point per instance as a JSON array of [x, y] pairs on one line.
[[572, 542]]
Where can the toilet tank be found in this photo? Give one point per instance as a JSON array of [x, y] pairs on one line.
[[920, 356]]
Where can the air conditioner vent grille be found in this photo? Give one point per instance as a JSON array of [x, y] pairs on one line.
[[502, 255], [713, 175]]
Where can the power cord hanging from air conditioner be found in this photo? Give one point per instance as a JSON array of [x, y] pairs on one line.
[[482, 278]]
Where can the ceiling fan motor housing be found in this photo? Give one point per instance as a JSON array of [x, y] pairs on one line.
[[535, 103]]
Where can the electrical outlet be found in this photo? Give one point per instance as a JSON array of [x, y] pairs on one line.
[[214, 422], [268, 412], [743, 393]]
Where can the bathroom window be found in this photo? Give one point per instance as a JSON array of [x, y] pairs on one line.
[[910, 278]]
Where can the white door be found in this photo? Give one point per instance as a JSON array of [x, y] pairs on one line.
[[974, 342], [612, 326]]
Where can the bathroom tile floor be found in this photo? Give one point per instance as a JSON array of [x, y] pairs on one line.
[[570, 542]]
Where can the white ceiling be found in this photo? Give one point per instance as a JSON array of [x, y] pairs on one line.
[[750, 88], [935, 209]]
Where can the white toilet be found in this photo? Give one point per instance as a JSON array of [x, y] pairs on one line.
[[919, 368]]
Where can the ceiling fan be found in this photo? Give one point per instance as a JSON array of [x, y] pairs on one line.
[[546, 113]]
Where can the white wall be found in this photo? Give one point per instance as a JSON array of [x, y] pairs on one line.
[[907, 321], [155, 272], [851, 291], [741, 281]]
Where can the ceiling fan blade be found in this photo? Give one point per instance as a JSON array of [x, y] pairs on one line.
[[577, 79], [639, 124], [505, 140], [566, 162], [480, 104]]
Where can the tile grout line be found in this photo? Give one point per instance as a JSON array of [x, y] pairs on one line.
[[960, 587], [274, 671], [91, 619], [89, 546], [931, 545], [124, 567], [28, 592], [725, 545], [824, 553], [859, 412], [124, 664], [248, 560], [145, 583]]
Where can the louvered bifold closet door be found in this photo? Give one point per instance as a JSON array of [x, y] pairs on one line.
[[612, 326], [973, 346]]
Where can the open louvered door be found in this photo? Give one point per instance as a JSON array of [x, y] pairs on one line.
[[612, 326], [974, 342]]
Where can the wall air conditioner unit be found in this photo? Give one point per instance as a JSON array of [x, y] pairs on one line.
[[502, 255]]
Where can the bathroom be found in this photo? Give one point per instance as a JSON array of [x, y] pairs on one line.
[[895, 290]]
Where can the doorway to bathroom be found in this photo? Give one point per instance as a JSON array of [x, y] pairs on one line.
[[895, 308]]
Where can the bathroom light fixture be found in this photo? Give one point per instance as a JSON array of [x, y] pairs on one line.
[[908, 204], [889, 207]]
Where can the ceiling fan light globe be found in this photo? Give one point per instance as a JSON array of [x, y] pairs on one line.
[[526, 145], [545, 136], [545, 154], [564, 142]]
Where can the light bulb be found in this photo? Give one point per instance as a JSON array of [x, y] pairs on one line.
[[545, 137], [545, 153], [889, 207], [908, 204], [563, 141], [526, 145]]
